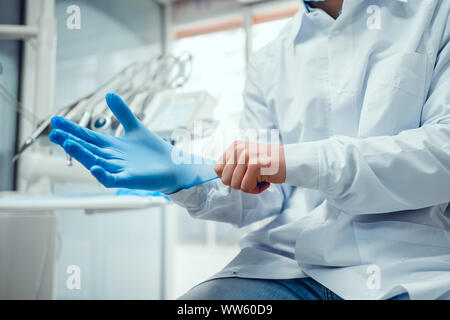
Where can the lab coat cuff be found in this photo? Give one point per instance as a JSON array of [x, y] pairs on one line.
[[302, 164], [192, 198]]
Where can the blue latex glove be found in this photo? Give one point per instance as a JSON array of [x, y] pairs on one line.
[[138, 160]]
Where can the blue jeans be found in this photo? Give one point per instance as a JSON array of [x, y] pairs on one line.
[[263, 289]]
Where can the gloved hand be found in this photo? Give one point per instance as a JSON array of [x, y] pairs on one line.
[[138, 160]]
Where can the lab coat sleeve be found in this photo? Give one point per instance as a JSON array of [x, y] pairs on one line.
[[215, 201], [389, 173]]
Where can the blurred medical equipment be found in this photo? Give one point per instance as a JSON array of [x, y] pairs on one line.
[[41, 128], [190, 108], [138, 160], [11, 100], [29, 241], [147, 79], [73, 110], [167, 73], [150, 88]]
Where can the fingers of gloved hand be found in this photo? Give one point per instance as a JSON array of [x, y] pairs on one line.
[[58, 136], [82, 155], [78, 131], [122, 112], [104, 177]]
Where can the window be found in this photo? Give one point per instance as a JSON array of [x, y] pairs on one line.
[[220, 69], [203, 248]]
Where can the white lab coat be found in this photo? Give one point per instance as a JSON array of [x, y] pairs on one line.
[[364, 114]]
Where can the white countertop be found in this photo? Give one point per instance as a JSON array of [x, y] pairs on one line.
[[89, 203]]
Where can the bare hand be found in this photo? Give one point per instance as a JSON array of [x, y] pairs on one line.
[[252, 167]]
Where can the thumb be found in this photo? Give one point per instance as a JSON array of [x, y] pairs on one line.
[[122, 112]]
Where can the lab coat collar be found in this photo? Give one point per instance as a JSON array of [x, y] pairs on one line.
[[298, 21], [304, 5], [305, 11]]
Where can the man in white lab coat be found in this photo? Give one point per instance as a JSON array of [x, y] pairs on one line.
[[361, 96], [359, 91]]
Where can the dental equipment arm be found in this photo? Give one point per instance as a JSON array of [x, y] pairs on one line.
[[38, 132], [138, 160]]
